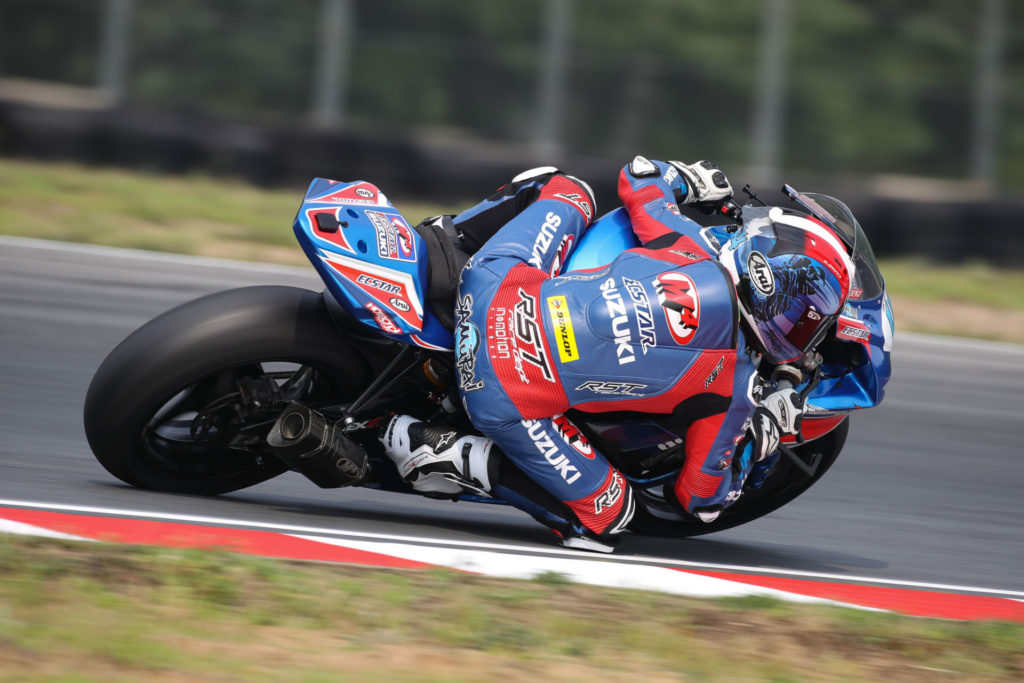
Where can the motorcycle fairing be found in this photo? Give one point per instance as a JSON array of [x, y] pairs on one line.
[[371, 259]]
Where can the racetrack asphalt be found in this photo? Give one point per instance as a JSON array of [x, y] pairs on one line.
[[928, 488]]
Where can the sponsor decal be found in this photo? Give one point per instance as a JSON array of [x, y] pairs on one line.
[[732, 496], [399, 304], [813, 314], [467, 343], [547, 447], [609, 498], [668, 445], [579, 277], [671, 174], [679, 299], [561, 321], [644, 315], [856, 292], [445, 441], [760, 274], [572, 436], [364, 193], [544, 238], [693, 256], [852, 332], [394, 236], [579, 201], [377, 283], [611, 388], [384, 321], [529, 338], [621, 332], [715, 372], [564, 247], [672, 207]]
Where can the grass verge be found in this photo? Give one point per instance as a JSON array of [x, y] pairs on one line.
[[224, 218], [75, 611]]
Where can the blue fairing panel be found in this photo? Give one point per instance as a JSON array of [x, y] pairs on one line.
[[370, 258]]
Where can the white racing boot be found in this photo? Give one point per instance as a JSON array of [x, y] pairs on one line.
[[438, 461]]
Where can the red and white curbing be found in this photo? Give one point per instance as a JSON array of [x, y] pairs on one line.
[[508, 561]]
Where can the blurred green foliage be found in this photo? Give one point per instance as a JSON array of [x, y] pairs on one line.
[[873, 86]]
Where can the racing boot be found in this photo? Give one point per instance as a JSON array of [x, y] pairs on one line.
[[438, 461]]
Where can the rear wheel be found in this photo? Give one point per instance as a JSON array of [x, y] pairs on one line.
[[659, 517], [185, 402]]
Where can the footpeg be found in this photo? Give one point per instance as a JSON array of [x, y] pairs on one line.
[[316, 448]]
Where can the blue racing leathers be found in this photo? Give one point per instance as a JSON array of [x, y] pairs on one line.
[[656, 331]]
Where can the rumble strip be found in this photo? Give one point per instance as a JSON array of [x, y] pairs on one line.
[[509, 561]]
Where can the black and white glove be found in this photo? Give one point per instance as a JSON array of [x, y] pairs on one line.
[[705, 182], [777, 415]]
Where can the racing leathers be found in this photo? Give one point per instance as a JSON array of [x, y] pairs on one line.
[[655, 331]]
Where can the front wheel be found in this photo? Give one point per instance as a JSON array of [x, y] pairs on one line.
[[656, 516], [184, 403]]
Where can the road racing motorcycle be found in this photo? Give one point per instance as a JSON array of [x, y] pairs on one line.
[[237, 387]]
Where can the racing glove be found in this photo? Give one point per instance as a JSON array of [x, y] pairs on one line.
[[777, 415], [684, 183], [705, 182]]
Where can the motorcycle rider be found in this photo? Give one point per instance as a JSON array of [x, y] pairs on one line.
[[670, 327]]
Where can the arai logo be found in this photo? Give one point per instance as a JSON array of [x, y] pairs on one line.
[[760, 274]]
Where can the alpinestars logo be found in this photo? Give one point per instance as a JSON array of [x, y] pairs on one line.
[[644, 316], [678, 298], [547, 447], [530, 342], [622, 335]]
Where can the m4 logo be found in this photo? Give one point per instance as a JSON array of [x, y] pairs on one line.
[[678, 297]]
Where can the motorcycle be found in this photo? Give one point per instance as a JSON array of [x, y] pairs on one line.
[[240, 386]]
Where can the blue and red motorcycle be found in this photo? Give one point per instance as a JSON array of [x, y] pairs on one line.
[[237, 387]]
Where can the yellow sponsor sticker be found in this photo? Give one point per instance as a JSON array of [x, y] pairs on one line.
[[561, 321]]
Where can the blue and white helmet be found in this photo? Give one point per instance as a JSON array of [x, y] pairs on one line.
[[792, 276]]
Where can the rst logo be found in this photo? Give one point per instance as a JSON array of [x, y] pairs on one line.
[[529, 338], [611, 388], [621, 333], [679, 299], [549, 449], [609, 498]]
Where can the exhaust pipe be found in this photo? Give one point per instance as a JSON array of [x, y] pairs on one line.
[[316, 448]]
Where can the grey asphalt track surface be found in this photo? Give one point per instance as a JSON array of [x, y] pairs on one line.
[[928, 489]]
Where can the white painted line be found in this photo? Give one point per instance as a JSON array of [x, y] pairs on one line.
[[579, 570], [11, 527], [163, 257], [635, 560]]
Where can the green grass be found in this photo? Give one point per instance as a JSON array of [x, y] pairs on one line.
[[75, 611]]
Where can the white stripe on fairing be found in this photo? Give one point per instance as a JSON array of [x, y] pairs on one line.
[[609, 574], [8, 526], [632, 560]]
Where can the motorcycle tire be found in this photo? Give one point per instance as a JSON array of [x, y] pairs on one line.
[[193, 353], [784, 484]]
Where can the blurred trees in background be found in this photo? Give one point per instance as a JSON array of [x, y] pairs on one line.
[[872, 86]]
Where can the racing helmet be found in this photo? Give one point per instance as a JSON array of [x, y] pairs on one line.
[[792, 276]]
